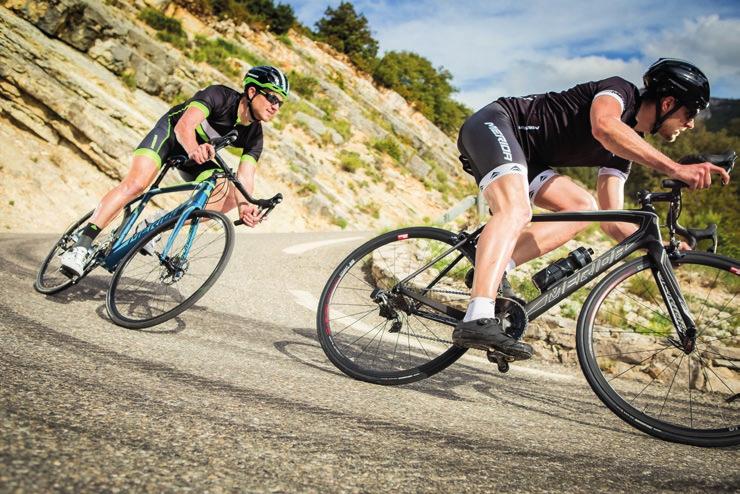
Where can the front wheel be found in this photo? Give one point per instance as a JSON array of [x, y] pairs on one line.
[[370, 327], [169, 269], [50, 278], [629, 353]]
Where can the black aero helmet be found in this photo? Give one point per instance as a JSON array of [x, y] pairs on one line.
[[680, 79], [269, 78]]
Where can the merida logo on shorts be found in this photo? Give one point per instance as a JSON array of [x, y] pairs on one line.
[[501, 139]]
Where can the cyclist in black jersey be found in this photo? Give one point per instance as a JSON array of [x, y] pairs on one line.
[[510, 145], [186, 129]]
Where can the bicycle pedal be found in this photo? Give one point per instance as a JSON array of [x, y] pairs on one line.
[[500, 359]]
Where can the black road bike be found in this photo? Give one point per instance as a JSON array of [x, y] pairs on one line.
[[657, 338]]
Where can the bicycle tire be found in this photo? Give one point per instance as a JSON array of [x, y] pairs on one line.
[[627, 357], [134, 306], [430, 350], [50, 281]]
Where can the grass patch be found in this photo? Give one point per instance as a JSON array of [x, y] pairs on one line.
[[129, 78], [217, 52], [389, 146], [350, 161], [305, 85], [342, 126], [307, 189], [371, 208], [340, 222]]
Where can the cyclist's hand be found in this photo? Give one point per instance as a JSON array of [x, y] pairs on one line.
[[250, 214], [699, 176], [202, 153]]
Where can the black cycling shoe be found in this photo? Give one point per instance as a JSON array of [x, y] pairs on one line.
[[487, 333]]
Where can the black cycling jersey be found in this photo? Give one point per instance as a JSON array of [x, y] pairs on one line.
[[554, 129], [543, 130], [220, 106]]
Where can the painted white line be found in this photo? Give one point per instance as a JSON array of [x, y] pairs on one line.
[[307, 300], [301, 248]]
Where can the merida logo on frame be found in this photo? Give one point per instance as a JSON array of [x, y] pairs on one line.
[[501, 139]]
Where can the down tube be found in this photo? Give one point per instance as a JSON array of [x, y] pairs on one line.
[[648, 235]]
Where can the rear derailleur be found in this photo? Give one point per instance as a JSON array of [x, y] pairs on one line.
[[388, 303]]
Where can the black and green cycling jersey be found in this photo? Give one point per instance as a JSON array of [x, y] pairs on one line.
[[220, 105]]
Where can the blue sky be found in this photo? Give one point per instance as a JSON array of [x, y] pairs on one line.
[[497, 48]]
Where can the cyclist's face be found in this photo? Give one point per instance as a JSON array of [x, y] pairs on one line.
[[265, 104], [681, 120]]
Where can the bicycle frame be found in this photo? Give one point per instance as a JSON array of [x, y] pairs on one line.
[[198, 201], [647, 237]]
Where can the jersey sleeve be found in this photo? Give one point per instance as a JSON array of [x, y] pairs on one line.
[[619, 89], [252, 146], [207, 99]]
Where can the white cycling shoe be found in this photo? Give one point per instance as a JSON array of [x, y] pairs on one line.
[[74, 261]]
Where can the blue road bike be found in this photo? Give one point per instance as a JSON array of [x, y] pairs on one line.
[[161, 268]]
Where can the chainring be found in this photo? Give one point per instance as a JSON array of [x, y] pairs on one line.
[[513, 316]]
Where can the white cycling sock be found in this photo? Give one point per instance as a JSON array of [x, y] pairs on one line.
[[479, 308]]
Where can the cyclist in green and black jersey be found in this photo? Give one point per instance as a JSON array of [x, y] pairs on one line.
[[186, 129]]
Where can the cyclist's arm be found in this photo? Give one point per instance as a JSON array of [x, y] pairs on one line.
[[185, 134], [620, 139], [245, 174], [248, 212], [610, 195], [623, 141]]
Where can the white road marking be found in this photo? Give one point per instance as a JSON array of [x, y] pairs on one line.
[[301, 248], [307, 300]]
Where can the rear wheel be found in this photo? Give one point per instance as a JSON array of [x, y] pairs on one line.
[[629, 353], [372, 330], [151, 286]]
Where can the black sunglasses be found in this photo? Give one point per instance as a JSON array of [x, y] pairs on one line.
[[271, 98]]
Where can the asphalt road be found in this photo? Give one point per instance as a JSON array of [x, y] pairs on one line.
[[236, 395]]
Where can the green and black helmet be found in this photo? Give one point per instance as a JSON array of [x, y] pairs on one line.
[[268, 78]]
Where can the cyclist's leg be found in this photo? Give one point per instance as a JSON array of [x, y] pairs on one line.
[[143, 171], [148, 158], [557, 193], [498, 162]]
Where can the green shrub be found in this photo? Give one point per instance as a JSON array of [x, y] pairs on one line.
[[350, 161], [372, 209], [389, 146], [161, 22], [342, 126], [180, 42], [308, 188], [340, 222], [305, 85], [285, 39], [216, 53], [129, 78], [426, 87]]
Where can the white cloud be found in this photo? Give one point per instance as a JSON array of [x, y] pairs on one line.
[[513, 47]]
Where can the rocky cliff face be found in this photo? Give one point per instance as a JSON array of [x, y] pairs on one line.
[[81, 82]]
